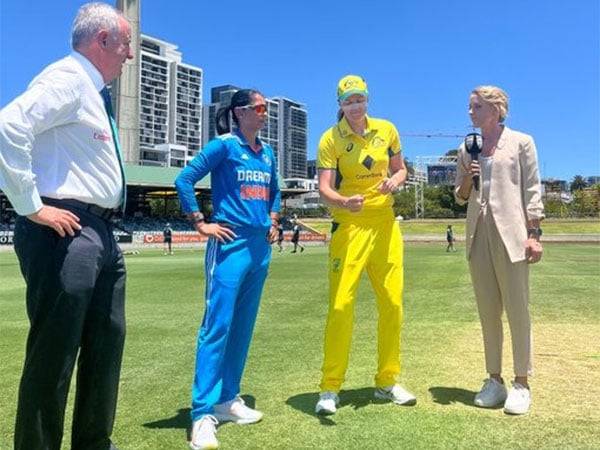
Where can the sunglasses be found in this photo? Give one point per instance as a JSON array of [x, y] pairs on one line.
[[258, 109]]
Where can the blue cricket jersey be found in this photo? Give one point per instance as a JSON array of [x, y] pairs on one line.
[[245, 188]]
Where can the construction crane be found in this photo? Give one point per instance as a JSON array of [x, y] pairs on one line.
[[432, 135]]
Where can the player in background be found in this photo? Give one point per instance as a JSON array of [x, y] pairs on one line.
[[167, 239], [296, 237]]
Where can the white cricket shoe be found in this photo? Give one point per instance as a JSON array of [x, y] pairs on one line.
[[327, 404], [204, 433], [396, 394], [492, 393], [518, 400], [236, 411]]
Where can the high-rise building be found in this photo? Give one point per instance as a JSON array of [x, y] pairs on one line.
[[293, 129], [311, 169], [285, 130], [170, 105]]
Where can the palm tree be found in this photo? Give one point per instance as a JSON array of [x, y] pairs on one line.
[[578, 183]]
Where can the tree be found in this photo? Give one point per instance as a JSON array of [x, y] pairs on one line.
[[578, 183], [404, 202], [586, 202], [452, 152], [440, 202]]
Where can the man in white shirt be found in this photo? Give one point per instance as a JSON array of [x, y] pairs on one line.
[[60, 167]]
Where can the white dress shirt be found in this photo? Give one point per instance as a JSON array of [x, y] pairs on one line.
[[485, 163], [56, 140]]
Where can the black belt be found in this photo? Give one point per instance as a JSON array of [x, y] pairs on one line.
[[108, 214]]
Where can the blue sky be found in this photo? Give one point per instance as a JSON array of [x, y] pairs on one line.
[[420, 58]]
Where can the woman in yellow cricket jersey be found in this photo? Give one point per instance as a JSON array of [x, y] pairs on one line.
[[360, 165]]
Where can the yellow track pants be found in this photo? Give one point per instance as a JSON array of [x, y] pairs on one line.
[[376, 247]]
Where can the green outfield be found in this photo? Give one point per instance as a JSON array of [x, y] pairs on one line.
[[442, 356], [438, 226]]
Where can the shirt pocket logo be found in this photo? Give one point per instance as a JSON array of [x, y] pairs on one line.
[[102, 135]]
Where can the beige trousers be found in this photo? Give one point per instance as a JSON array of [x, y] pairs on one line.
[[500, 284]]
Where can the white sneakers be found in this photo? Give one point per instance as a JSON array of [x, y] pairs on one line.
[[396, 394], [236, 411], [518, 400], [329, 401], [327, 404], [204, 433], [491, 394]]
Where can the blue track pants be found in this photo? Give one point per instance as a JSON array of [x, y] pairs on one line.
[[235, 275]]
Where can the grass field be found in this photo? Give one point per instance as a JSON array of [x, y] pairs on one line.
[[438, 226], [442, 357]]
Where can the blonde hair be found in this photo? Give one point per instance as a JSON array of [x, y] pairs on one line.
[[494, 96]]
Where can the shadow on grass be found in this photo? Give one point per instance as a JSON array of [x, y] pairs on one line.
[[449, 395], [182, 419], [354, 398]]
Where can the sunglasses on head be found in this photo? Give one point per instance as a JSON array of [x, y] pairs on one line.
[[258, 109]]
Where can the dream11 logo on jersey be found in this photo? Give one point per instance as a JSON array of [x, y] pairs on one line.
[[254, 184]]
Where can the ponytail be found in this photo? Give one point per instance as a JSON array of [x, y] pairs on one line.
[[222, 120]]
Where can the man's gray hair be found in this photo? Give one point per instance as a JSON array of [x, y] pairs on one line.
[[92, 18]]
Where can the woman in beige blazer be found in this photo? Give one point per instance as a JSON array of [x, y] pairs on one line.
[[503, 232]]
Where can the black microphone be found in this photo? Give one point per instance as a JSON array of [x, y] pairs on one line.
[[474, 145]]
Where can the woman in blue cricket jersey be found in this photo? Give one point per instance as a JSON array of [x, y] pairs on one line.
[[246, 199]]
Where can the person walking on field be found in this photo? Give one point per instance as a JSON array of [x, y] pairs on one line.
[[167, 239], [450, 239], [296, 237], [280, 236]]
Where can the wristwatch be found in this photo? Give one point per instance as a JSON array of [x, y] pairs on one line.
[[535, 232], [197, 217]]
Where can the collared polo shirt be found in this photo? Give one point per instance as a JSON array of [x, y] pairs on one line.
[[361, 164], [244, 184]]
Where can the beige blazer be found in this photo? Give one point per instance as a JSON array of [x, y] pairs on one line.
[[515, 191]]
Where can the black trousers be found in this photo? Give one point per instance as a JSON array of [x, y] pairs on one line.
[[75, 305]]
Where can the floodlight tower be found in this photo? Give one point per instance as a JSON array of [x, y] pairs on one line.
[[421, 163], [126, 88]]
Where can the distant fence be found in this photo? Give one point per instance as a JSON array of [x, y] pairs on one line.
[[178, 237], [188, 237]]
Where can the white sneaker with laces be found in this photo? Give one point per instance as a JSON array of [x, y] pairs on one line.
[[204, 433], [327, 404], [518, 400], [396, 394], [492, 394], [236, 411]]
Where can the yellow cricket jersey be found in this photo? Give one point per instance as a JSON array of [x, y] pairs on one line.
[[361, 164]]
